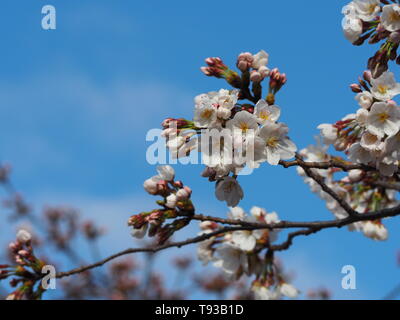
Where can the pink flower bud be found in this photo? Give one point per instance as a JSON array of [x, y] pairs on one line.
[[178, 184], [23, 236], [264, 71], [356, 88], [395, 37], [19, 261], [171, 201], [24, 253], [367, 75], [188, 189], [151, 185], [283, 78], [182, 194], [244, 61], [13, 246], [166, 172], [206, 225], [169, 133], [255, 77]]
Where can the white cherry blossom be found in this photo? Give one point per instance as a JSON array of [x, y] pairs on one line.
[[205, 116], [23, 236], [365, 99], [328, 133], [288, 290], [229, 190], [384, 118], [367, 10], [275, 144], [390, 18], [242, 122], [266, 113], [166, 172], [151, 185], [140, 233], [375, 231], [385, 87], [231, 260], [263, 293], [260, 59], [352, 28]]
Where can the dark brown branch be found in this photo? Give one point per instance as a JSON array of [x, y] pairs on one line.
[[344, 165], [318, 179], [152, 250], [386, 185], [310, 228]]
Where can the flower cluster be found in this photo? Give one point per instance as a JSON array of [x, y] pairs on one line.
[[358, 188], [234, 135], [238, 253], [176, 203], [375, 20], [371, 136], [28, 270]]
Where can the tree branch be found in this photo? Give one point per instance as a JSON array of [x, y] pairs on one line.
[[309, 228]]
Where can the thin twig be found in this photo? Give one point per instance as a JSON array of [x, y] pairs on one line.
[[310, 228]]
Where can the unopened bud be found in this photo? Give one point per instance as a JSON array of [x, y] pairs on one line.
[[356, 88], [255, 77], [367, 76]]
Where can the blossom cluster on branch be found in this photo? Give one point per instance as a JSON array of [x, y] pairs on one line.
[[375, 21], [236, 129]]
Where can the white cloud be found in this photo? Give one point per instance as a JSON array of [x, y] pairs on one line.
[[47, 117]]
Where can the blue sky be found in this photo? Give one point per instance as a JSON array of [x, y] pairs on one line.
[[77, 102]]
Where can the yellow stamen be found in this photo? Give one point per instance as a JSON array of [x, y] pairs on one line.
[[371, 8], [383, 116], [382, 89], [244, 126], [272, 142], [206, 114], [264, 115], [394, 16]]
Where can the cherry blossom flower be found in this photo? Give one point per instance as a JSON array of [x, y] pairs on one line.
[[365, 99], [275, 144], [266, 113], [166, 173], [352, 28], [23, 236], [263, 293], [205, 116], [384, 118], [242, 122], [358, 154], [367, 10], [288, 290], [246, 240], [390, 18], [140, 233], [231, 260], [171, 201], [328, 132], [385, 87], [260, 59], [375, 231], [371, 142], [228, 189], [236, 213]]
